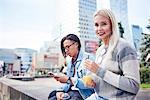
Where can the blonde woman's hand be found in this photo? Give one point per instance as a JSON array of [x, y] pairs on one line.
[[91, 65]]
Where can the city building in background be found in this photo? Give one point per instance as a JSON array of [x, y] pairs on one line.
[[25, 56], [137, 36], [17, 60], [72, 16], [120, 9], [77, 18], [49, 57], [8, 57]]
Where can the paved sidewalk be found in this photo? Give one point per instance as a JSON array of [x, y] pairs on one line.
[[144, 94]]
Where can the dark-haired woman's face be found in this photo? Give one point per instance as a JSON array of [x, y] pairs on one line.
[[71, 48]]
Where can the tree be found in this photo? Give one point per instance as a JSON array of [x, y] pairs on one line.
[[121, 30], [145, 49]]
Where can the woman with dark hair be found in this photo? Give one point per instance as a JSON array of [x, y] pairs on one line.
[[73, 84]]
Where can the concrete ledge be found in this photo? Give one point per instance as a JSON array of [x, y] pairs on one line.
[[38, 89]]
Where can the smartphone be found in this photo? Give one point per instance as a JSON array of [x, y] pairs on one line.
[[51, 74]]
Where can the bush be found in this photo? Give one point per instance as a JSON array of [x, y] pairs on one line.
[[145, 75], [145, 86]]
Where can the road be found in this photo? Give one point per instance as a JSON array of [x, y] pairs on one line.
[[144, 94]]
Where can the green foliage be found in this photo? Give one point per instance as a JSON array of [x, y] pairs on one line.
[[121, 30], [145, 85], [144, 60], [145, 75], [145, 50]]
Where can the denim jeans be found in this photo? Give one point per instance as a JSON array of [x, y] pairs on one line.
[[74, 95]]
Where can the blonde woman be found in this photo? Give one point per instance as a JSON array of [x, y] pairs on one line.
[[115, 72]]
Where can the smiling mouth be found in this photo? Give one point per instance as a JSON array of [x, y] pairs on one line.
[[100, 34]]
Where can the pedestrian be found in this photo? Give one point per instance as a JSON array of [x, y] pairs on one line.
[[115, 71], [73, 86]]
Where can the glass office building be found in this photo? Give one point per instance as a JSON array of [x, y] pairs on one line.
[[77, 18], [137, 36]]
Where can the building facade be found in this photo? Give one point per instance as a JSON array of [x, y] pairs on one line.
[[25, 56], [49, 56], [137, 36], [77, 18], [8, 57]]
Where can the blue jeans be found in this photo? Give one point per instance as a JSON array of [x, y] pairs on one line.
[[74, 95], [94, 96]]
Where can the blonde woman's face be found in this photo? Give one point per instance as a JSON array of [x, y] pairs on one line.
[[103, 27]]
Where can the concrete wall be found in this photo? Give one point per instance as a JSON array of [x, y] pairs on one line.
[[8, 93]]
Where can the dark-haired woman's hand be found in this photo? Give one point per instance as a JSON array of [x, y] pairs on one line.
[[61, 78]]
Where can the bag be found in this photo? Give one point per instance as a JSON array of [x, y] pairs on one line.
[[74, 95]]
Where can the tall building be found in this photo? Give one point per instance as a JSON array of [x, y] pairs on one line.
[[77, 18], [120, 9], [137, 36], [8, 57], [16, 60], [26, 56], [50, 56]]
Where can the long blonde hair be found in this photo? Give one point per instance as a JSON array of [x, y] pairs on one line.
[[115, 33]]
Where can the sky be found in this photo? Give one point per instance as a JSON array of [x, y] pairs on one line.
[[139, 12], [28, 23]]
